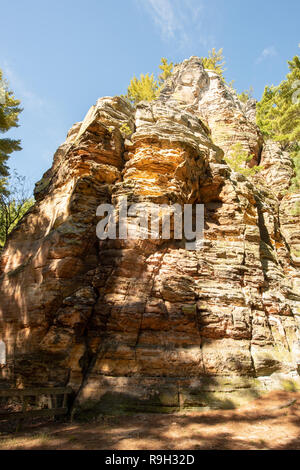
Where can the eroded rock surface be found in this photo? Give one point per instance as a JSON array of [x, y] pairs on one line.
[[148, 324]]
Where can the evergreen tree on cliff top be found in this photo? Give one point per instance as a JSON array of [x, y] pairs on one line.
[[278, 114], [146, 88], [215, 62], [9, 116]]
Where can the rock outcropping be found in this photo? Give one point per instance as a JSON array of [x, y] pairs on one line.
[[147, 324]]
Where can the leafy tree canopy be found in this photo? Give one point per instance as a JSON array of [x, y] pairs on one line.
[[14, 203]]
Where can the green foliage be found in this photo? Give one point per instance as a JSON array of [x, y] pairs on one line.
[[215, 61], [9, 116], [278, 115], [3, 186], [290, 385], [125, 129], [147, 88], [238, 159], [246, 95], [144, 89], [296, 253], [166, 70], [14, 204], [296, 209]]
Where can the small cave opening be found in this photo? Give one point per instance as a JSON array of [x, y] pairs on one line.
[[259, 154]]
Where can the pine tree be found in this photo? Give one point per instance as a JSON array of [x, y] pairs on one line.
[[166, 70], [9, 116], [246, 95], [215, 61], [146, 88], [278, 115]]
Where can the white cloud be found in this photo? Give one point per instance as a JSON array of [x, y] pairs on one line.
[[269, 51], [179, 20], [27, 97], [163, 14]]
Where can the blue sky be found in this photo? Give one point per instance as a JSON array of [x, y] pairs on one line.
[[60, 56]]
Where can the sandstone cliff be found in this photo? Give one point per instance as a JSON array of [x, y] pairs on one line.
[[147, 324]]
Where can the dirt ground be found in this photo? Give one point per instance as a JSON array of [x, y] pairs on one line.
[[272, 422]]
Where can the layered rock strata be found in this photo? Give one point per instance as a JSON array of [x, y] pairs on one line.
[[147, 324]]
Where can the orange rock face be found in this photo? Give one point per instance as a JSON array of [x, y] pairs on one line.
[[147, 324]]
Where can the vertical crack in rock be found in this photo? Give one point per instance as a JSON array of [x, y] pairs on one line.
[[121, 320]]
